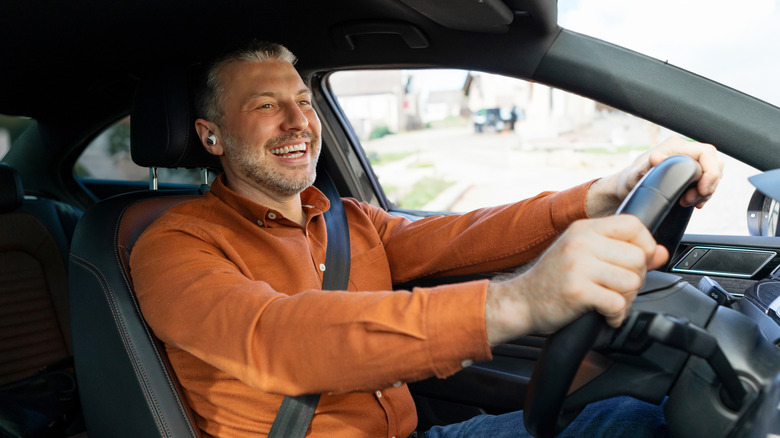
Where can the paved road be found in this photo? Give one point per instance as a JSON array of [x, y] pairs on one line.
[[497, 168]]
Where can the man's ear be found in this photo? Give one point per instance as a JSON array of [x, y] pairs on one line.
[[208, 133]]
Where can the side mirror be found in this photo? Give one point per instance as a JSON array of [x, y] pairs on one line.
[[762, 215]]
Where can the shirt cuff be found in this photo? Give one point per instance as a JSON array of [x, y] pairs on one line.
[[457, 332], [569, 205]]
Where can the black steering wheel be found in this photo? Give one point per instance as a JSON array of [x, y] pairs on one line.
[[655, 200]]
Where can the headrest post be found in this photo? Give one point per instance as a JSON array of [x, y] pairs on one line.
[[204, 180], [152, 178]]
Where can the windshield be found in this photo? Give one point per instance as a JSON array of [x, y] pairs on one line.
[[734, 43]]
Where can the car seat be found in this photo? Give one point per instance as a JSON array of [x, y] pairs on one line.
[[126, 384], [37, 388], [34, 242]]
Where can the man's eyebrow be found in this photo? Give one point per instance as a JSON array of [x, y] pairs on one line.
[[258, 94]]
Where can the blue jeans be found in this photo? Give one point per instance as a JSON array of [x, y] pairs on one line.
[[615, 417]]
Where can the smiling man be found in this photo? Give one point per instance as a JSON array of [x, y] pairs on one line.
[[270, 134], [240, 306]]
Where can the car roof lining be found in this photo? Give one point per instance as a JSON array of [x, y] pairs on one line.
[[104, 47], [88, 77]]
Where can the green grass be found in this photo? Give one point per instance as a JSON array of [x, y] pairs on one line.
[[449, 122], [618, 150], [379, 159], [423, 192]]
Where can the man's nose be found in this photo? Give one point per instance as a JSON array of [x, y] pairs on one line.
[[295, 119]]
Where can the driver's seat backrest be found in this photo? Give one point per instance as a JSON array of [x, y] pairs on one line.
[[126, 384]]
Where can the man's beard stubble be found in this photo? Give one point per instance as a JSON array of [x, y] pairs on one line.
[[253, 165]]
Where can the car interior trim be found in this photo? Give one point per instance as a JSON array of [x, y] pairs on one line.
[[707, 260]]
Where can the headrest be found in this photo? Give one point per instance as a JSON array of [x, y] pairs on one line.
[[11, 190], [162, 124]]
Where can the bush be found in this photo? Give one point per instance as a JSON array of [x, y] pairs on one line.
[[379, 132]]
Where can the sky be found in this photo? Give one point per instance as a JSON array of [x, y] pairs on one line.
[[736, 47], [736, 43]]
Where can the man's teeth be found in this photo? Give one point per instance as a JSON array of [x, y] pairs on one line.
[[289, 149]]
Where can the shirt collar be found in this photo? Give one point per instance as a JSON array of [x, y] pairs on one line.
[[313, 200]]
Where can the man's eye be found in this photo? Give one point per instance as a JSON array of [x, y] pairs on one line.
[[265, 106], [304, 102]]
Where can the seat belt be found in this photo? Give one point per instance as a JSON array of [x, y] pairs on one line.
[[295, 414]]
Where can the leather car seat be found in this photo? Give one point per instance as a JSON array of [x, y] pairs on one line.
[[34, 243], [126, 385]]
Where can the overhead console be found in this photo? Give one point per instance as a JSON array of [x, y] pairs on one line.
[[489, 16]]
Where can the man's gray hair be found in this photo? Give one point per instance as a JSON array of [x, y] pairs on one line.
[[208, 99]]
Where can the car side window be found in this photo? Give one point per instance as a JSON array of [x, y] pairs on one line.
[[453, 141], [107, 157], [11, 127]]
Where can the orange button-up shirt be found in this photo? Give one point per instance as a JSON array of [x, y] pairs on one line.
[[233, 289]]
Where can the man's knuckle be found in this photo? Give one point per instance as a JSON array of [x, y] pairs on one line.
[[633, 282]]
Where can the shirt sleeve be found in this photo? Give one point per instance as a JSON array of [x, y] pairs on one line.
[[314, 341], [483, 241]]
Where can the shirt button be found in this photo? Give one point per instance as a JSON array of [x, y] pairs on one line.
[[467, 363], [379, 394], [259, 222], [322, 267], [397, 384], [271, 215]]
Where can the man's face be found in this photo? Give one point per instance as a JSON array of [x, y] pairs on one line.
[[270, 131]]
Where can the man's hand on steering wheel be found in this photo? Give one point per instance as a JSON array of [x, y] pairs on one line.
[[657, 197], [607, 193], [597, 264]]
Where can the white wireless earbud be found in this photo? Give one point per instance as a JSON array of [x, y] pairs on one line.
[[212, 139]]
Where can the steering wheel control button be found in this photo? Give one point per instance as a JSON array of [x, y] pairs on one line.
[[467, 363]]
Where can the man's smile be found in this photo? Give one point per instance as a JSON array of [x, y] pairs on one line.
[[291, 151]]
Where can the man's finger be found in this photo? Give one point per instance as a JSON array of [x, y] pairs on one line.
[[712, 167], [659, 257], [613, 306], [628, 228]]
